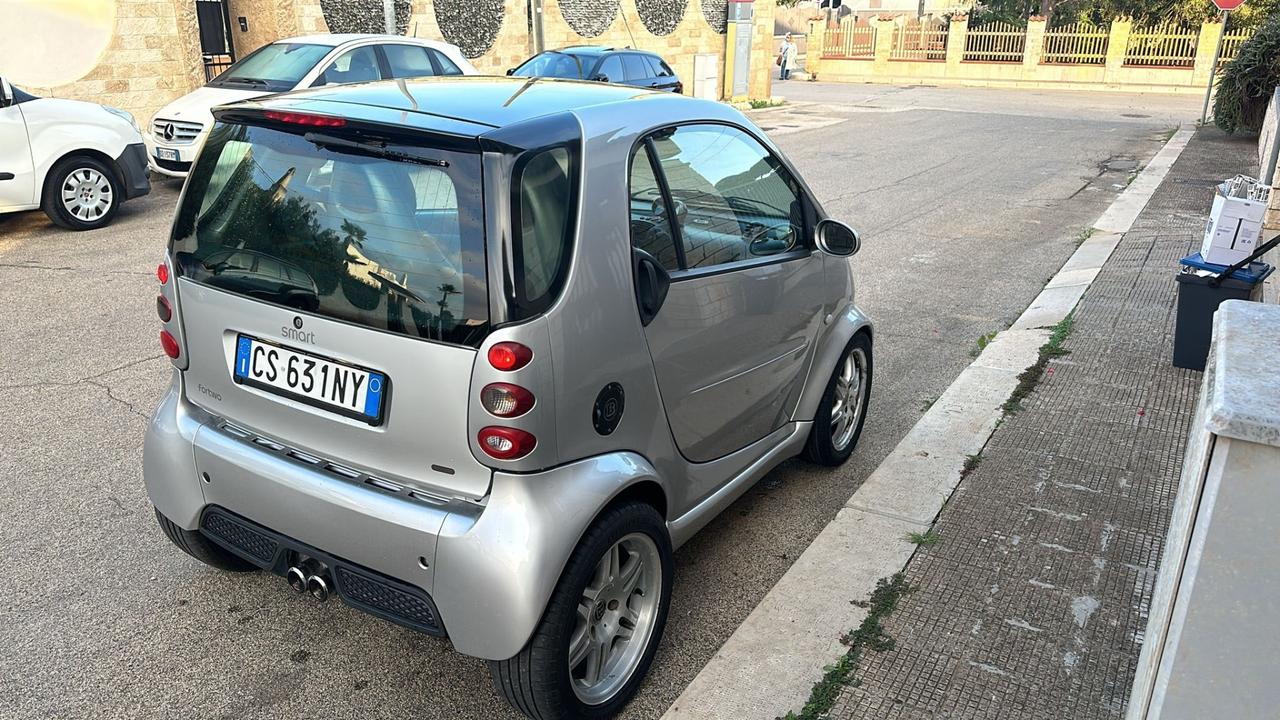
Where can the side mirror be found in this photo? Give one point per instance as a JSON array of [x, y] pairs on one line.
[[600, 77], [6, 93], [836, 238]]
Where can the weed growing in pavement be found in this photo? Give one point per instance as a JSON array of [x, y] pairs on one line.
[[1085, 234], [928, 403], [971, 463], [1028, 379], [925, 539], [759, 104], [870, 634], [983, 342]]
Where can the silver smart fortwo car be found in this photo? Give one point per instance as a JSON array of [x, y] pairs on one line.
[[475, 355]]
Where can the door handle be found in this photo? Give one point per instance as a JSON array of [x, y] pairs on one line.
[[6, 176], [652, 283]]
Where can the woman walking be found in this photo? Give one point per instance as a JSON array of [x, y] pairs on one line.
[[786, 57]]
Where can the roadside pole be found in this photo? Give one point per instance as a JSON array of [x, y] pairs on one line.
[[1226, 6], [389, 16]]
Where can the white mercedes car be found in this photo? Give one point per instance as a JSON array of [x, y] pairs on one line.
[[178, 130]]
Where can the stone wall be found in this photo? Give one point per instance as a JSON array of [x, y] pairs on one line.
[[495, 34], [149, 50]]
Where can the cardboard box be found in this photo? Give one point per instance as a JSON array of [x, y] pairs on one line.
[[1233, 230]]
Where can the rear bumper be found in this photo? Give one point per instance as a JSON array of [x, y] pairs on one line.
[[133, 165], [490, 568]]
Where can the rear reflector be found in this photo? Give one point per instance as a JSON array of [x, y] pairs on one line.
[[169, 344], [162, 309], [506, 443], [506, 400], [162, 273], [294, 118], [509, 356]]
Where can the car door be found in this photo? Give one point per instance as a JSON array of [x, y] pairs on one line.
[[637, 71], [408, 61], [732, 341], [356, 65], [17, 171], [610, 70], [664, 78]]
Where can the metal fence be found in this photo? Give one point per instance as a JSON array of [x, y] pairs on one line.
[[214, 65], [852, 39], [1079, 43], [995, 42], [1167, 45], [919, 40]]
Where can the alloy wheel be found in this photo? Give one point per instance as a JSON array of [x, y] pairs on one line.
[[615, 620], [86, 194], [846, 406]]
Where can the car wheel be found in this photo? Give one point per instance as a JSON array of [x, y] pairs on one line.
[[201, 548], [601, 628], [82, 193], [843, 409]]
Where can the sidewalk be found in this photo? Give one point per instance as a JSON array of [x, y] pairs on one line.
[[1033, 602]]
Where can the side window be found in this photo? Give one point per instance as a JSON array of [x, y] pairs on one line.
[[734, 201], [611, 69], [408, 61], [637, 68], [651, 229], [546, 221], [359, 65], [447, 66], [664, 70]]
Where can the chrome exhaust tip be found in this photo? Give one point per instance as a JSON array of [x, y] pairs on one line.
[[297, 579], [318, 588]]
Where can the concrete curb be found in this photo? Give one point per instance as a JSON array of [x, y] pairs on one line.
[[769, 664]]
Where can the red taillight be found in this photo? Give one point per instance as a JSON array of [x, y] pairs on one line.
[[506, 443], [294, 118], [163, 309], [162, 273], [169, 344], [509, 356], [506, 400]]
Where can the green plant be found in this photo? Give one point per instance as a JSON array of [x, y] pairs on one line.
[[1248, 81], [983, 342], [928, 403], [971, 463], [760, 104], [1028, 379], [924, 539], [870, 634]]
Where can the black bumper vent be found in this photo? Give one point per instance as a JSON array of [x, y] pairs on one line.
[[373, 595], [172, 165], [241, 536], [358, 586]]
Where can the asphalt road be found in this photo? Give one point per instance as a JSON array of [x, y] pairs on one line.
[[969, 200]]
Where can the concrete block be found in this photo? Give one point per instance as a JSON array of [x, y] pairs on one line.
[[1050, 307]]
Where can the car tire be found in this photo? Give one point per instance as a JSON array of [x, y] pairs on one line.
[[201, 548], [82, 193], [832, 439], [543, 681]]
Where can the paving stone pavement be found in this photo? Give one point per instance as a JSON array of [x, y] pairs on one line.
[[1034, 602]]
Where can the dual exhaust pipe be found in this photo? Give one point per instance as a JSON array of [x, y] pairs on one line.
[[309, 580]]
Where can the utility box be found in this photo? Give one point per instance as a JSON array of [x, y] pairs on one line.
[[706, 76], [1212, 643], [738, 53]]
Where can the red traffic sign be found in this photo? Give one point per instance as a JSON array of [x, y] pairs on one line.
[[1228, 4]]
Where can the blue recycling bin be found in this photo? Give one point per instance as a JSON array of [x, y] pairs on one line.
[[1198, 299]]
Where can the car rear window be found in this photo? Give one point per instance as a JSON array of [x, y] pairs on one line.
[[391, 243]]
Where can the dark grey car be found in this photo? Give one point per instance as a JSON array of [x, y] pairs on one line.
[[550, 333]]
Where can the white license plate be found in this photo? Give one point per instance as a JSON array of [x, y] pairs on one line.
[[167, 154], [317, 381]]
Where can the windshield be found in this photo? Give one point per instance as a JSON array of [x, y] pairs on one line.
[[555, 64], [389, 238], [276, 67]]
